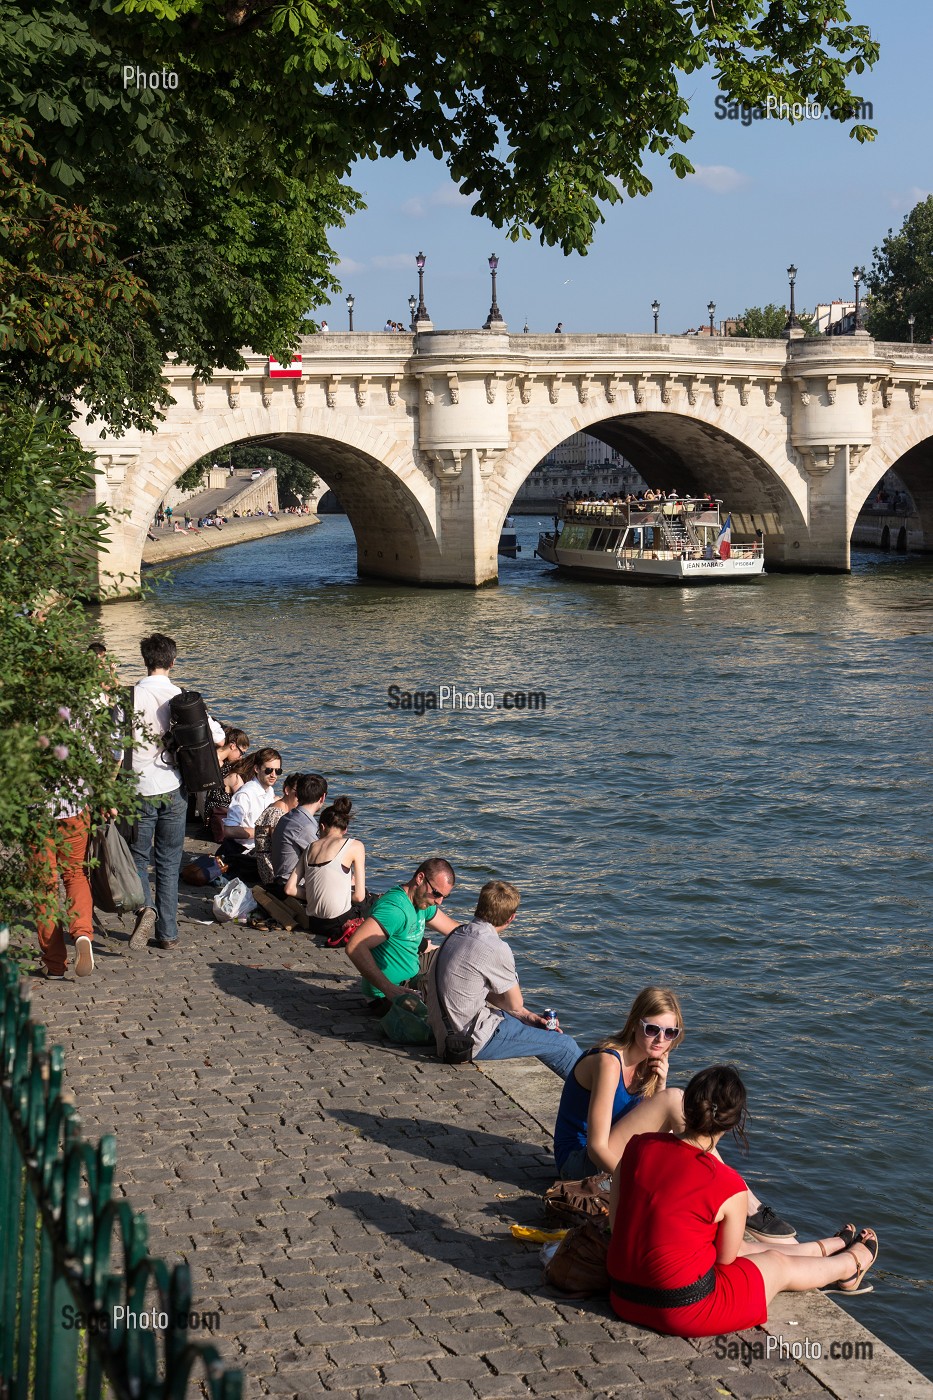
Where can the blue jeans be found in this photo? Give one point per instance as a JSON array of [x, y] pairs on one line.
[[161, 826], [513, 1040]]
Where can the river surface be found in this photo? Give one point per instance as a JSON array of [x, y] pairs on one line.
[[729, 792]]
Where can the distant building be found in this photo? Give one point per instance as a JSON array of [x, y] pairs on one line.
[[835, 317], [579, 463]]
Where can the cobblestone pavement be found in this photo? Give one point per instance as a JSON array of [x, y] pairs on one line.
[[344, 1204]]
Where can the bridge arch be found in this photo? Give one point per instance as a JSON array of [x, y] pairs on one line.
[[908, 450], [388, 494], [693, 448]]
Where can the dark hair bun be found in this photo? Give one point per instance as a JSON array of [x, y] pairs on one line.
[[342, 806]]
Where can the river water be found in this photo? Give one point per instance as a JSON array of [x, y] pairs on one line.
[[729, 791]]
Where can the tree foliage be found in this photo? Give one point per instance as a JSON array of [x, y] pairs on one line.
[[56, 736], [768, 323], [900, 281], [543, 112]]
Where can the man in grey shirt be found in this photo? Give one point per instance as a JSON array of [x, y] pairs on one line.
[[472, 981]]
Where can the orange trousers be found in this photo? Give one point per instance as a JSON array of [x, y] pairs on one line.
[[68, 862]]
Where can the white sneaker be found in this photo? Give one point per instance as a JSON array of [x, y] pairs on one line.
[[84, 956]]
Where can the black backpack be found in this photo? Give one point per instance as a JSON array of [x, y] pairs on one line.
[[190, 743]]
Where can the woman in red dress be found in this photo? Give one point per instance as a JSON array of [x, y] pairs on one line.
[[677, 1260]]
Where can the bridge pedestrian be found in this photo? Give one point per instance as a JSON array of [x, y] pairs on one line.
[[559, 328]]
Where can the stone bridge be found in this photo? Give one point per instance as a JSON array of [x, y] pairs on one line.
[[427, 437]]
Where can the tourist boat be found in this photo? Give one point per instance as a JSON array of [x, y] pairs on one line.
[[682, 540], [508, 539]]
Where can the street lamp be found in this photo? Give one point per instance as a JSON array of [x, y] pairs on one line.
[[494, 313], [422, 312], [411, 308], [655, 307], [910, 321], [792, 323], [350, 303], [711, 308], [858, 274]]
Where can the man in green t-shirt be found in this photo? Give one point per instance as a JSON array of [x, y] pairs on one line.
[[384, 949]]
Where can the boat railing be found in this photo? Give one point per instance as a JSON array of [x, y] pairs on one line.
[[642, 512]]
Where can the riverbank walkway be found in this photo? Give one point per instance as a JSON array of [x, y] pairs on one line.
[[345, 1204]]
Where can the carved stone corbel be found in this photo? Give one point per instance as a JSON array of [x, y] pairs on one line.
[[486, 457], [613, 385], [392, 391], [817, 461], [492, 386], [887, 392], [330, 390], [638, 389], [694, 383], [197, 392], [831, 388], [857, 451], [719, 390], [524, 387], [267, 393], [554, 387], [583, 387], [667, 388], [744, 390], [453, 388], [804, 390], [510, 390], [301, 389], [771, 388], [865, 387], [913, 395], [448, 463], [362, 390], [427, 394], [233, 392]]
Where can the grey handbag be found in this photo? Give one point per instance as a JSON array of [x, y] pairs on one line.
[[115, 883]]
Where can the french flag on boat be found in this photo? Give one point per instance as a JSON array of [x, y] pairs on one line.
[[292, 371], [724, 539]]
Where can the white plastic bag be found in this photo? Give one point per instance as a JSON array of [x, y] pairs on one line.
[[234, 901]]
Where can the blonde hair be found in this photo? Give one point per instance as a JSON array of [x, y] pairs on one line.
[[651, 1001], [498, 902]]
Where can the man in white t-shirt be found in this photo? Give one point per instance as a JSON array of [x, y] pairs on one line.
[[472, 984], [160, 830], [246, 807]]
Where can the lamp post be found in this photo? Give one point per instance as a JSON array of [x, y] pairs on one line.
[[351, 299], [495, 315], [411, 308], [655, 308], [910, 321], [792, 323], [711, 308], [422, 312], [857, 275]]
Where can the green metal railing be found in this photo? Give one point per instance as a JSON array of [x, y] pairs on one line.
[[84, 1310]]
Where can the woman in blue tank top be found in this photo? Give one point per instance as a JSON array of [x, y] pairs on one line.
[[619, 1088]]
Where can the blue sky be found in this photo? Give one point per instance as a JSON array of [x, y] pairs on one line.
[[764, 196]]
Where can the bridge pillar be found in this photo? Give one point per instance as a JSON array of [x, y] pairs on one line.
[[831, 429]]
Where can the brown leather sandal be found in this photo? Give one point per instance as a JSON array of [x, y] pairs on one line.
[[852, 1287]]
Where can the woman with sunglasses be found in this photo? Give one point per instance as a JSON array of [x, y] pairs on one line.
[[619, 1088], [247, 807], [677, 1261]]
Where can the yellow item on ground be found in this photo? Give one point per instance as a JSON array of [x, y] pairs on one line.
[[526, 1232]]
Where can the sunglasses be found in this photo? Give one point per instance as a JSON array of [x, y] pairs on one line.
[[272, 770], [438, 894], [666, 1032]]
